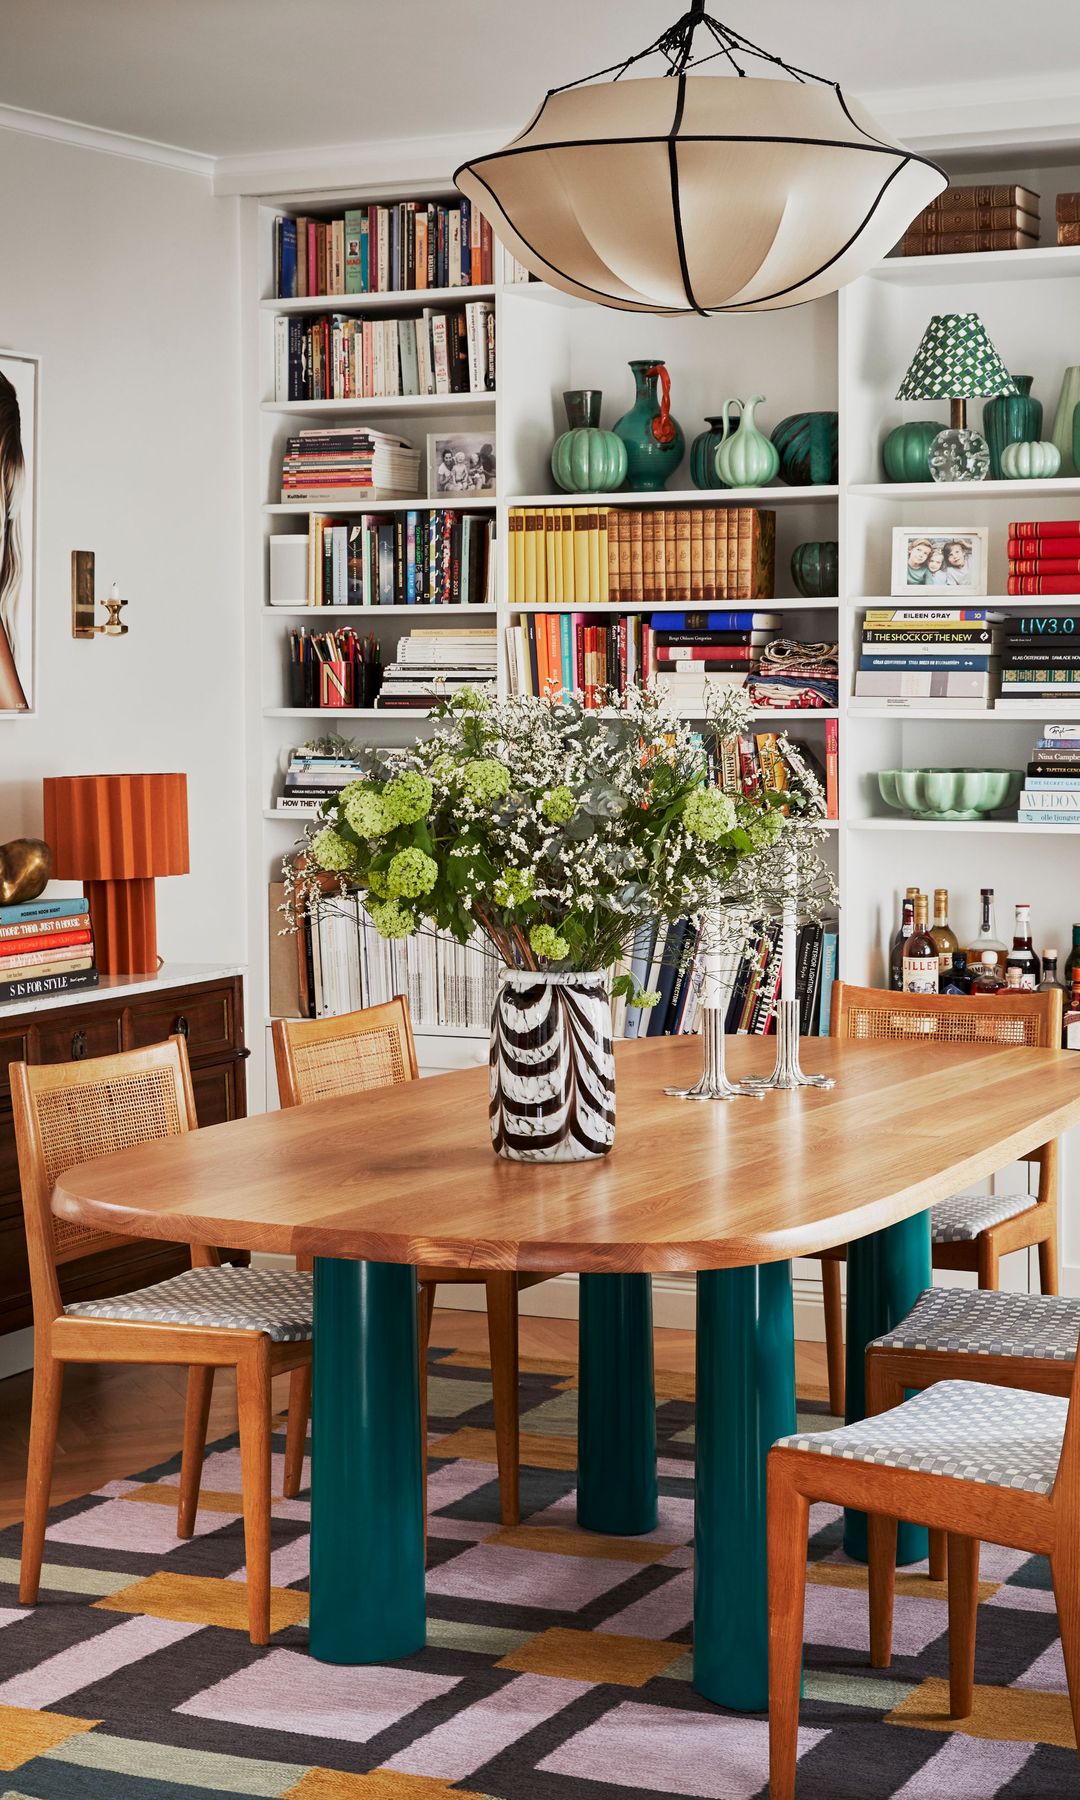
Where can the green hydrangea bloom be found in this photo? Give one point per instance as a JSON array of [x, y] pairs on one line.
[[364, 809], [443, 768], [392, 920], [412, 873], [407, 798], [331, 850], [708, 814], [513, 887], [649, 997], [377, 884], [765, 830], [558, 806], [486, 780], [548, 943]]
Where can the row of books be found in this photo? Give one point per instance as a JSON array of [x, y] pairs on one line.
[[1051, 791], [334, 356], [347, 462], [640, 555], [928, 657], [751, 764], [313, 776], [383, 249], [427, 556], [46, 947], [1044, 556], [1040, 656], [668, 958], [433, 663], [557, 653], [972, 217]]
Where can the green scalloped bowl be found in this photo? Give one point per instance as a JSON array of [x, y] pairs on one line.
[[952, 794]]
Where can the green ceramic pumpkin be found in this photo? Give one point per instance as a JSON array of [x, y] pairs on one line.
[[745, 457], [906, 450], [588, 461], [703, 470], [1030, 462], [807, 446], [815, 569]]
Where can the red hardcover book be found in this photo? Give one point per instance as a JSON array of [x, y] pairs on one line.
[[1022, 547], [832, 768], [727, 653], [25, 947], [1044, 565], [1042, 584], [1044, 528]]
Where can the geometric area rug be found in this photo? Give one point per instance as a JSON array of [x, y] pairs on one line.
[[556, 1667]]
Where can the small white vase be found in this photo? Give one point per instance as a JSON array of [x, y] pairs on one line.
[[552, 1085]]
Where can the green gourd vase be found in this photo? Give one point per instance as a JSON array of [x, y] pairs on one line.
[[808, 447], [746, 457], [653, 439], [815, 569], [703, 455], [1036, 461], [906, 451], [586, 460], [1011, 419]]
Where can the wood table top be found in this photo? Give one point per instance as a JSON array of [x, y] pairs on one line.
[[407, 1174]]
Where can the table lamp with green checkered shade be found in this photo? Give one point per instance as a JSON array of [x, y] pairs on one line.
[[957, 362]]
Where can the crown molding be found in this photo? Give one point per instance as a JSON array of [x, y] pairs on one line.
[[109, 143], [386, 163], [1038, 113]]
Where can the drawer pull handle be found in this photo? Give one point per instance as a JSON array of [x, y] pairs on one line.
[[181, 1026], [78, 1046]]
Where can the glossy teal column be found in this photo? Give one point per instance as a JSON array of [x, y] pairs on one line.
[[367, 1524], [886, 1273], [616, 1405], [745, 1401]]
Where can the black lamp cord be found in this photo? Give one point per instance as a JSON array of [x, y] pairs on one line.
[[676, 46]]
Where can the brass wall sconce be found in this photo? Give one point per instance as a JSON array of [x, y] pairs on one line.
[[84, 605]]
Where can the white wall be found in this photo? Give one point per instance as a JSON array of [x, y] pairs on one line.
[[123, 276]]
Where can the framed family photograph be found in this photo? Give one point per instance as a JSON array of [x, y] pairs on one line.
[[461, 463], [930, 558], [18, 530]]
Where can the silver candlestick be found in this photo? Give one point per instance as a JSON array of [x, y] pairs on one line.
[[712, 1083], [786, 1071]]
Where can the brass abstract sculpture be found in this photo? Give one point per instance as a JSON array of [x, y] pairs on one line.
[[25, 867]]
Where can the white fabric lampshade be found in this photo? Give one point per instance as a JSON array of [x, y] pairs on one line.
[[700, 193]]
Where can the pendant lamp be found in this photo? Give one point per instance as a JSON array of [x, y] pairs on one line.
[[700, 194]]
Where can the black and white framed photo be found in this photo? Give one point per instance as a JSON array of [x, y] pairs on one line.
[[18, 530], [460, 463], [932, 560]]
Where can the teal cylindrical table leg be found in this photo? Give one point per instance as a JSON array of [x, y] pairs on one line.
[[886, 1273], [616, 1406], [367, 1525], [745, 1401]]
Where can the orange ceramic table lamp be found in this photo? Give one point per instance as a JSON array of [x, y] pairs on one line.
[[115, 833]]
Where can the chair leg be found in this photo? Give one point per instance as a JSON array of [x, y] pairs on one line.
[[502, 1310], [296, 1430], [881, 1536], [253, 1407], [939, 1556], [1048, 1262], [989, 1261], [200, 1388], [834, 1334], [789, 1519], [1065, 1569], [963, 1606], [44, 1424]]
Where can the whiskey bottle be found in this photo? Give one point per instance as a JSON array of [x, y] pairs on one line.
[[1022, 957], [956, 979], [1049, 973], [896, 948], [921, 967], [1014, 981], [1072, 961], [1070, 1033], [987, 938], [943, 936]]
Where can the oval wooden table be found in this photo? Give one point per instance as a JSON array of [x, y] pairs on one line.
[[374, 1184]]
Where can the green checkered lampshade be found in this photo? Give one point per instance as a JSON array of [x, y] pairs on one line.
[[956, 361]]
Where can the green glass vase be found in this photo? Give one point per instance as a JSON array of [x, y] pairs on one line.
[[654, 440], [808, 447], [703, 455], [1062, 432], [746, 458], [1011, 419], [905, 452], [586, 460], [815, 569]]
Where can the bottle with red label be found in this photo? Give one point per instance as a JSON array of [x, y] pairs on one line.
[[1022, 955]]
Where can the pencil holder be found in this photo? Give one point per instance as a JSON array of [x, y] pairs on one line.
[[335, 684]]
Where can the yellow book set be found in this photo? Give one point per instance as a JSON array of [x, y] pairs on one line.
[[640, 555]]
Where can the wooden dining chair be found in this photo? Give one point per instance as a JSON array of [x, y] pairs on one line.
[[351, 1054], [255, 1321], [976, 1461], [969, 1231]]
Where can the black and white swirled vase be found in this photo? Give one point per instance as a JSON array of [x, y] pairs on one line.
[[552, 1071]]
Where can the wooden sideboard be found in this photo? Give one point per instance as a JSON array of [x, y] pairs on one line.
[[207, 1008]]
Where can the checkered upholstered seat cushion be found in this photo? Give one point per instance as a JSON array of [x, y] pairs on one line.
[[1000, 1437], [961, 1219], [982, 1322], [277, 1301]]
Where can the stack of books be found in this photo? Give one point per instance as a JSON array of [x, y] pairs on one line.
[[383, 249], [1040, 659], [432, 664], [348, 462], [1044, 556], [928, 657], [641, 555], [695, 652], [1051, 794], [46, 947], [559, 654], [335, 356], [427, 556], [975, 218], [313, 776], [667, 959]]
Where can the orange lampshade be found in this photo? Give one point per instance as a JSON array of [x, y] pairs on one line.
[[115, 833]]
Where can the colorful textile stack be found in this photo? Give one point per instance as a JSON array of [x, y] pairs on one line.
[[795, 677]]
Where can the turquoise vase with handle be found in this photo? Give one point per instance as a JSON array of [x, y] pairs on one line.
[[654, 440], [746, 457], [1011, 419]]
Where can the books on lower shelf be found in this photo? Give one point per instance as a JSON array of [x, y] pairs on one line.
[[424, 556], [345, 462], [433, 663], [640, 555], [1051, 791], [378, 249], [748, 765], [667, 959], [46, 947], [313, 776], [946, 657], [1040, 657], [336, 356]]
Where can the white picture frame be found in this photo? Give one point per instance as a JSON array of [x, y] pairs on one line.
[[932, 561], [20, 383], [460, 464]]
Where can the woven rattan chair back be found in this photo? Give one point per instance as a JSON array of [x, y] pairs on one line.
[[1027, 1019], [319, 1059]]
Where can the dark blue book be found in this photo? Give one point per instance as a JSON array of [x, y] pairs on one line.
[[667, 977], [714, 621], [287, 266]]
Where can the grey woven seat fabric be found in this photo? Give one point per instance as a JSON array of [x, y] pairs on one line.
[[986, 1322], [277, 1301], [959, 1220], [999, 1437]]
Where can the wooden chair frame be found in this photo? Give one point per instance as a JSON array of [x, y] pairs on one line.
[[60, 1338]]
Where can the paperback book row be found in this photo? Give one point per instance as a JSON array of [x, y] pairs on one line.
[[427, 556], [1051, 791], [433, 663], [334, 356], [668, 959], [383, 249], [343, 964], [46, 947], [640, 555], [968, 218], [753, 763], [348, 463], [314, 775], [928, 657]]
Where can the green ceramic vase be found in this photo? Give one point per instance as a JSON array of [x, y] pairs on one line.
[[815, 569], [653, 439], [1062, 432], [703, 455], [746, 457], [905, 451], [952, 794], [1037, 461], [807, 443], [586, 460], [1011, 419]]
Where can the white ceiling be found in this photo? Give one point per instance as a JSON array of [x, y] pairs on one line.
[[226, 77]]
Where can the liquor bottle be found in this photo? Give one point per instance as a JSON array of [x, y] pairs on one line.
[[987, 938], [955, 980], [896, 948], [1072, 961], [1022, 956], [1013, 982], [1070, 1034], [944, 938], [1050, 975], [987, 976], [921, 968]]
